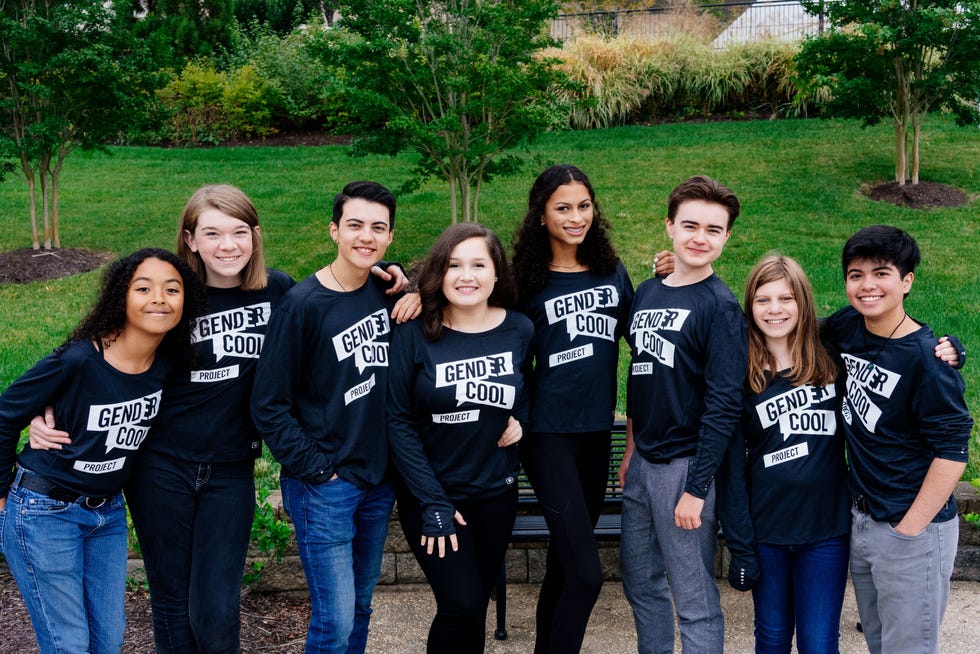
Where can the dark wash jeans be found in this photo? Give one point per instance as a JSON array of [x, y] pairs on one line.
[[801, 587], [193, 522]]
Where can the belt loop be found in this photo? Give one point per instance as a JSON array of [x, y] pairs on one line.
[[17, 476]]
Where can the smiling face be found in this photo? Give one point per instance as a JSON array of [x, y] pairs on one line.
[[699, 232], [225, 246], [155, 299], [877, 290], [362, 234], [775, 311], [470, 277], [568, 215]]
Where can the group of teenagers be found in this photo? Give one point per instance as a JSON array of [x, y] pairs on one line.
[[366, 394]]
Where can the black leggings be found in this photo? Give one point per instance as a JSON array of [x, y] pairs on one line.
[[462, 581], [569, 474]]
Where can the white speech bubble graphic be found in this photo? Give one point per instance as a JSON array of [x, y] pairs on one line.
[[371, 354], [126, 437], [650, 341], [486, 393], [596, 325]]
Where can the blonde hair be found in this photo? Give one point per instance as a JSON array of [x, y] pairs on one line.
[[811, 364], [232, 201]]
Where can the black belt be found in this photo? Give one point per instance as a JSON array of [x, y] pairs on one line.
[[860, 503], [38, 484]]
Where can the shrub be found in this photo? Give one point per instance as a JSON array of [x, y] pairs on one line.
[[205, 106], [628, 79]]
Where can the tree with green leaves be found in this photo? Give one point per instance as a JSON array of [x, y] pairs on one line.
[[67, 81], [896, 59], [178, 30], [461, 82]]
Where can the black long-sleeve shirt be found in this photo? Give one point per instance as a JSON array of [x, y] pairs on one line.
[[319, 393], [902, 409], [204, 415], [578, 320], [107, 412], [449, 402], [684, 394]]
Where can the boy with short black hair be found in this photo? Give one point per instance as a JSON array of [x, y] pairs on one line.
[[907, 429], [689, 341], [319, 403]]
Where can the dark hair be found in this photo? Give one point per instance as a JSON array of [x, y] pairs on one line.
[[884, 244], [436, 264], [233, 202], [370, 191], [702, 187], [810, 363], [532, 248], [107, 317]]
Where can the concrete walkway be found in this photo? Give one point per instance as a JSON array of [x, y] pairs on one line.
[[402, 615]]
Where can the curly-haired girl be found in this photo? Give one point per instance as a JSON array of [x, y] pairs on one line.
[[62, 516]]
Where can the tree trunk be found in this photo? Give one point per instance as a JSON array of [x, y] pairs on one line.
[[902, 116], [32, 193], [45, 200], [916, 131], [55, 235]]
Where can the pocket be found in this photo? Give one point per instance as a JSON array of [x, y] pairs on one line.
[[35, 504], [896, 534]]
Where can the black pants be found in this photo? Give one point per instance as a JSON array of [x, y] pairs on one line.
[[462, 580], [193, 522], [569, 474]]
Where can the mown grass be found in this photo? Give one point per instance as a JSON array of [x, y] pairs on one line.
[[799, 182]]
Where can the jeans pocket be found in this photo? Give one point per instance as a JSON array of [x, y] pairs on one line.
[[896, 534]]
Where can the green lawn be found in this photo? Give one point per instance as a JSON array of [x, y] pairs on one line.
[[799, 182]]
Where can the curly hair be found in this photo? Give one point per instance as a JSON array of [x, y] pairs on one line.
[[436, 264], [107, 317], [532, 246], [230, 201]]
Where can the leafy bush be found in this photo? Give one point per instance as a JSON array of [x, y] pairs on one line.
[[205, 106]]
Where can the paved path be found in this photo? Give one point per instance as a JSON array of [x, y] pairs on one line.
[[402, 615]]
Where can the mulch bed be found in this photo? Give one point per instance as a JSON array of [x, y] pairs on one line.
[[924, 195], [27, 265], [270, 623]]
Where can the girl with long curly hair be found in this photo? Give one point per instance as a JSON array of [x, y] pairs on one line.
[[577, 293], [62, 516]]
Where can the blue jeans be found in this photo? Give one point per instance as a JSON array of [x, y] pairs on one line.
[[660, 561], [69, 563], [193, 521], [800, 586], [340, 531]]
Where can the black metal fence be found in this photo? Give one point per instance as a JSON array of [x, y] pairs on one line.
[[733, 22]]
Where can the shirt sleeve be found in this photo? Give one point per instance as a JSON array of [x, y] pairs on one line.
[[404, 443], [277, 380], [20, 403], [724, 377], [734, 515], [944, 419]]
